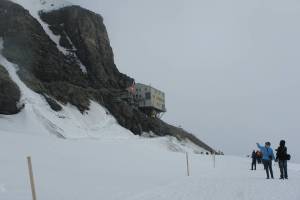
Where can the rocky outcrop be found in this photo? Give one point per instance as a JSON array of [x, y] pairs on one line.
[[59, 77], [9, 94], [90, 42], [42, 66]]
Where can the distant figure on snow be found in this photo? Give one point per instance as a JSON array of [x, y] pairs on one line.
[[254, 157], [282, 157], [268, 156]]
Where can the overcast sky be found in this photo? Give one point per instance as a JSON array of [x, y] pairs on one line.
[[230, 69]]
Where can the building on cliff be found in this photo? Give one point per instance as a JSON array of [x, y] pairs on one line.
[[150, 100]]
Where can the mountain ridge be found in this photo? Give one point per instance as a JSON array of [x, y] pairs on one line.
[[59, 77]]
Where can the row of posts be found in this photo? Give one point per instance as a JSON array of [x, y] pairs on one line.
[[188, 162], [32, 184]]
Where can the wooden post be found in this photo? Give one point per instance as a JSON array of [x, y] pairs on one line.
[[187, 164], [31, 178], [214, 160]]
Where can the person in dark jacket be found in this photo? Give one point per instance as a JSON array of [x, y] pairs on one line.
[[281, 156], [268, 156], [254, 158]]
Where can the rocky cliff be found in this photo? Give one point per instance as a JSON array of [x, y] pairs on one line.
[[9, 94], [86, 72]]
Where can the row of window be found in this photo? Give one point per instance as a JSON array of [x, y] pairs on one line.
[[148, 96], [147, 89]]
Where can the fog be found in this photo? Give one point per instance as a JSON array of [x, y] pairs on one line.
[[230, 69]]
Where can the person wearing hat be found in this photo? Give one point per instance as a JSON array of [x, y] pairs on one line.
[[268, 156], [282, 158]]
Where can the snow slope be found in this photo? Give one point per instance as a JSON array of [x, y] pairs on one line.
[[130, 169], [38, 118]]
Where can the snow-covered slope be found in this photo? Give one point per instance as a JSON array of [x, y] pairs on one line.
[[130, 169], [37, 118]]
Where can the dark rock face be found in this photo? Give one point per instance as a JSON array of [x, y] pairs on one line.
[[9, 94], [89, 37], [41, 64], [58, 77], [52, 103]]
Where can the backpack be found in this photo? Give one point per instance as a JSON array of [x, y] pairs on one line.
[[282, 153]]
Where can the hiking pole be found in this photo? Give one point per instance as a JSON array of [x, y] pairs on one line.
[[31, 178]]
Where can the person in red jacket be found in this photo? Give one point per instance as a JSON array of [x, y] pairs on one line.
[[258, 157]]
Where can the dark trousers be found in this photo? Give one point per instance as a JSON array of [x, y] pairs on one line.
[[283, 168], [268, 167], [253, 165]]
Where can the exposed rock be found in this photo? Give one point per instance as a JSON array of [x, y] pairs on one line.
[[41, 63], [52, 103], [9, 94], [89, 36], [47, 71]]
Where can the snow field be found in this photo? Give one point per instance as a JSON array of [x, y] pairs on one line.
[[130, 169]]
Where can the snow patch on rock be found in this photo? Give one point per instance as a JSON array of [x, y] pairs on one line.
[[38, 118], [37, 6], [44, 5]]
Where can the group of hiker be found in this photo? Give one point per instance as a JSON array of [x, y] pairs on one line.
[[265, 155], [256, 158]]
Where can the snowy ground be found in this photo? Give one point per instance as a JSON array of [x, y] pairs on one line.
[[129, 169]]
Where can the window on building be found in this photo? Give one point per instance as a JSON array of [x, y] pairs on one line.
[[147, 95]]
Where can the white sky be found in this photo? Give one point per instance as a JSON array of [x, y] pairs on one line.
[[230, 69]]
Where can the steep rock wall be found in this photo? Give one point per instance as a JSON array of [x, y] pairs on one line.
[[57, 76]]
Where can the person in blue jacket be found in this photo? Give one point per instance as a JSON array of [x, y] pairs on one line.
[[268, 156]]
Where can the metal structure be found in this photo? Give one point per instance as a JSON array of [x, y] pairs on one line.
[[150, 100]]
